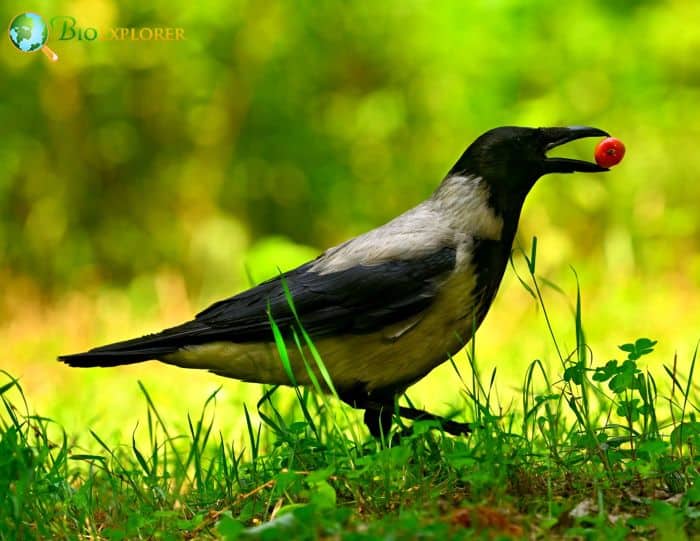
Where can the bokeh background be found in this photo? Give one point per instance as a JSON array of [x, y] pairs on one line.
[[141, 181]]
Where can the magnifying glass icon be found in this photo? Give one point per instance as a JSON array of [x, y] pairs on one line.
[[29, 33]]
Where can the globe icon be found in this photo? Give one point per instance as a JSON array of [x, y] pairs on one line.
[[28, 32]]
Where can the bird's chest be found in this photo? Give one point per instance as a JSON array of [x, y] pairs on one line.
[[464, 298]]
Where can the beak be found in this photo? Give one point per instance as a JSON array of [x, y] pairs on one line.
[[554, 137]]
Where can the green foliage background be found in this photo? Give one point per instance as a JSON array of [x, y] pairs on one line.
[[276, 129]]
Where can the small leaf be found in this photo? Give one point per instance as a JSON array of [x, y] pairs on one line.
[[319, 475], [629, 366], [693, 495], [642, 346], [323, 495], [685, 433], [290, 508], [621, 382], [628, 409], [604, 373], [187, 524], [653, 447], [574, 373], [286, 479], [229, 528], [280, 526]]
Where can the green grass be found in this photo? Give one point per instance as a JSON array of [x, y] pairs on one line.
[[593, 450]]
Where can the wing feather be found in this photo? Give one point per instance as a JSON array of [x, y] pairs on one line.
[[360, 299]]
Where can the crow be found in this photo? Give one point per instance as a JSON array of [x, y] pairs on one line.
[[386, 307]]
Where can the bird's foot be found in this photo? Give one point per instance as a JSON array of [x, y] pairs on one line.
[[378, 419], [447, 425]]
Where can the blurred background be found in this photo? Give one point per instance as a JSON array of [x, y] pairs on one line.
[[141, 180]]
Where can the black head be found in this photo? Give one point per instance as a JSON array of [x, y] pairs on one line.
[[511, 159]]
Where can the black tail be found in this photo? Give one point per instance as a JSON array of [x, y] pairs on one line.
[[94, 357], [136, 350]]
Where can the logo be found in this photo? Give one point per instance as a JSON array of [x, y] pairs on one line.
[[29, 33]]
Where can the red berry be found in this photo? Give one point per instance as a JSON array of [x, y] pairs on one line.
[[609, 152]]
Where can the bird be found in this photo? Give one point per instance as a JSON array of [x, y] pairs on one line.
[[386, 307]]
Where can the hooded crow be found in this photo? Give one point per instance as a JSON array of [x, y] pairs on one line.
[[384, 308]]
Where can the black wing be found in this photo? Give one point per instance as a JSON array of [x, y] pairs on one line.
[[360, 299], [357, 300]]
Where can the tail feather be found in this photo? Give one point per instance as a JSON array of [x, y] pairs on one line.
[[94, 358], [136, 350]]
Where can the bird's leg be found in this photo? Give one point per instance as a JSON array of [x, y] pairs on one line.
[[378, 420], [379, 413], [451, 427]]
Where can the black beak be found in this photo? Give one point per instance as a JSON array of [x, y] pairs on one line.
[[554, 137]]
